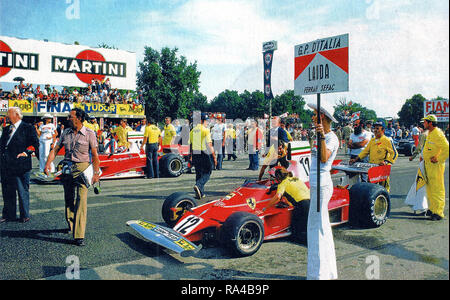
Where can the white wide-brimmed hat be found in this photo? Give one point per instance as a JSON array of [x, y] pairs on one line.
[[47, 116], [326, 109]]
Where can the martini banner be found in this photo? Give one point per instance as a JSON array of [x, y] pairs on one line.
[[42, 62], [321, 66]]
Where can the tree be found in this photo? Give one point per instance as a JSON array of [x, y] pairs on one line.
[[230, 103], [344, 109], [106, 46], [169, 84], [254, 105], [412, 111]]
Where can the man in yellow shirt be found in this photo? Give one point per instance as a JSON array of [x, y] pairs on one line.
[[380, 149], [201, 149], [152, 139], [92, 124], [435, 153], [169, 132], [121, 132]]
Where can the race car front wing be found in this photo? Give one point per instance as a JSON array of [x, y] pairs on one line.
[[165, 237]]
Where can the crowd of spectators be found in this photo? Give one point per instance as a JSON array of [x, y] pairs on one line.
[[95, 92]]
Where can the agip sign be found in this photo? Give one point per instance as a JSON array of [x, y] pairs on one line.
[[60, 64]]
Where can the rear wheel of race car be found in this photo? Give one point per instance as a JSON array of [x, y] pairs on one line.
[[175, 206], [171, 165], [243, 233], [370, 205]]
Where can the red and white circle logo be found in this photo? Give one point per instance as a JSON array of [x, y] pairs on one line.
[[4, 48], [90, 55]]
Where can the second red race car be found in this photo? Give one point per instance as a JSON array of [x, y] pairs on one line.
[[239, 222], [173, 161]]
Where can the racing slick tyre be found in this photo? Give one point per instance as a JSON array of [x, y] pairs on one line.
[[370, 205], [409, 150], [175, 206], [243, 233], [171, 165]]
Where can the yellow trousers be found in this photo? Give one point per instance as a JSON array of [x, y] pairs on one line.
[[386, 185], [435, 187]]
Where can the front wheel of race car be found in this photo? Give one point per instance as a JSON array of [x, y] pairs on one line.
[[175, 206], [171, 165], [410, 150], [243, 233], [370, 205]]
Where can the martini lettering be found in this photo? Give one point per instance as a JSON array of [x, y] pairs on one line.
[[73, 65], [26, 61], [318, 72]]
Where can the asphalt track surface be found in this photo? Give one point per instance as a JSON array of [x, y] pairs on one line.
[[406, 247]]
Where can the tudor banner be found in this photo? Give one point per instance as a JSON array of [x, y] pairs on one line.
[[268, 49], [321, 66], [268, 58], [41, 62]]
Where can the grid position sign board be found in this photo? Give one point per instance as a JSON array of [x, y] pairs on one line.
[[321, 66]]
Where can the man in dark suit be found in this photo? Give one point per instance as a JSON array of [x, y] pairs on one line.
[[15, 165]]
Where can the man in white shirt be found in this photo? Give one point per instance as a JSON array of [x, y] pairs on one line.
[[47, 134], [217, 135], [358, 139], [398, 132], [415, 132]]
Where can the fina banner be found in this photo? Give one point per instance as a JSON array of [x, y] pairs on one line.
[[40, 62], [268, 49]]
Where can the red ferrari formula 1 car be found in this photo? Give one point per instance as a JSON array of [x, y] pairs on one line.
[[173, 161], [239, 222]]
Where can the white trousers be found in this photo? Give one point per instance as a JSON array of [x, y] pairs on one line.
[[44, 151], [321, 253]]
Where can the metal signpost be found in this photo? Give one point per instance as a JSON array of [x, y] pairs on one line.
[[321, 66]]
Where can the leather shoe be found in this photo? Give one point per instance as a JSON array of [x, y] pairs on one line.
[[24, 220], [79, 242], [436, 217]]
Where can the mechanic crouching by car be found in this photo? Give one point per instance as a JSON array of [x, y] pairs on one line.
[[78, 142], [380, 149], [201, 149], [294, 191]]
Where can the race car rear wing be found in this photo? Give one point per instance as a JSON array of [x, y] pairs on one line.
[[374, 172]]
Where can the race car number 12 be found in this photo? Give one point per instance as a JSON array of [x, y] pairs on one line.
[[188, 224]]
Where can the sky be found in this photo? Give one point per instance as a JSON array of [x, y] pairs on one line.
[[397, 48]]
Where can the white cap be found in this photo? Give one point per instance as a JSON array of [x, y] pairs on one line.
[[47, 116], [326, 109]]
